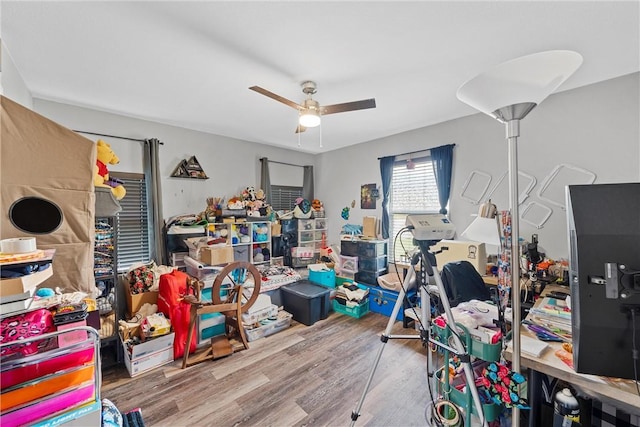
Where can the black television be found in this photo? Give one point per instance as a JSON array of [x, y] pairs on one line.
[[604, 273]]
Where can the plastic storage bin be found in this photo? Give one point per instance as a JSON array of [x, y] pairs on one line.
[[373, 263], [370, 277], [357, 311], [349, 247], [349, 263], [372, 248], [307, 302], [323, 278]]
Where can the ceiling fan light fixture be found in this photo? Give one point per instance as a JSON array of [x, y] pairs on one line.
[[310, 119]]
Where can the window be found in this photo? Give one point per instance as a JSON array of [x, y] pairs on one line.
[[132, 239], [283, 197], [413, 191]]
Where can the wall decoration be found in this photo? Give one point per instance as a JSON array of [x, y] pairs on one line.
[[475, 186], [553, 186], [536, 214], [499, 194], [367, 200], [189, 169]]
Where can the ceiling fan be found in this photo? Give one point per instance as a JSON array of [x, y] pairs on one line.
[[310, 110]]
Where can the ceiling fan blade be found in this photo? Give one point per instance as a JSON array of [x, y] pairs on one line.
[[276, 97], [300, 129], [348, 106]]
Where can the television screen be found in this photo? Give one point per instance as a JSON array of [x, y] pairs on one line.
[[604, 273]]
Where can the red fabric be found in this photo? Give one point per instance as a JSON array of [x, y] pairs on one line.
[[173, 286], [102, 168]]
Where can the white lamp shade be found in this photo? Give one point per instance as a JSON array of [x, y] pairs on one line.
[[528, 79], [483, 230], [310, 119]]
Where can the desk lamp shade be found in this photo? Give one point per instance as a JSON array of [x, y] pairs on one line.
[[519, 84], [484, 228]]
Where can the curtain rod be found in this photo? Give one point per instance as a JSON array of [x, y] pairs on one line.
[[411, 152], [282, 163], [113, 136]]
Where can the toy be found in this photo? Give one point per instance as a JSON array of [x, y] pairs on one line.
[[249, 193], [235, 203], [302, 209], [106, 156], [316, 205]]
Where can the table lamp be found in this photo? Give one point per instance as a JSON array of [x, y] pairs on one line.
[[508, 92]]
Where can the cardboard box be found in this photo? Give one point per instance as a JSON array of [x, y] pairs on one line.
[[147, 355], [149, 362], [216, 255], [369, 226], [25, 283], [135, 301], [276, 229], [454, 250]]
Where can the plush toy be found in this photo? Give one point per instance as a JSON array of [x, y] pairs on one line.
[[316, 205], [235, 203], [106, 156], [249, 193], [260, 194], [302, 209]]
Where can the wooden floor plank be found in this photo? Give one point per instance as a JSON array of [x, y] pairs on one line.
[[303, 376]]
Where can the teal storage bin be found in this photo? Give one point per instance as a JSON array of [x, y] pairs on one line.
[[324, 278]]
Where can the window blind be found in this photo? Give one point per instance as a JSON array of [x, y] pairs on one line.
[[284, 197], [413, 191], [132, 238]]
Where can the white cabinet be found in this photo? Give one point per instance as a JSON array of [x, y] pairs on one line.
[[312, 233], [251, 240]]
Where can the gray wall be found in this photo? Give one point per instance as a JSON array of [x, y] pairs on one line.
[[230, 164], [595, 128], [11, 83]]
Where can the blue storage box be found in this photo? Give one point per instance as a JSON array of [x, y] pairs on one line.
[[382, 301], [307, 302], [325, 278]]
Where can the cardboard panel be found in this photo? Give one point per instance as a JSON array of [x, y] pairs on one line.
[[41, 158]]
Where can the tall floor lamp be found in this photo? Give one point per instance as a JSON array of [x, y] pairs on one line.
[[508, 92]]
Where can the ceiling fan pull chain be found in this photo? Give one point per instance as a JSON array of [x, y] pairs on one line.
[[320, 134]]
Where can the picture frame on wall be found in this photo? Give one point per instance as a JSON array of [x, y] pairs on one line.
[[368, 196]]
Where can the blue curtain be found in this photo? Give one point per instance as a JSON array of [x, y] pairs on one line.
[[386, 172], [442, 159]]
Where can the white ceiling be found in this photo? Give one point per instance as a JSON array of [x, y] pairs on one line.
[[190, 63]]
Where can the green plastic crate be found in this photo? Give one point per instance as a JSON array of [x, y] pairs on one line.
[[357, 311], [484, 351], [491, 410]]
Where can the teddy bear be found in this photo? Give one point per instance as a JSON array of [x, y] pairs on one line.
[[106, 156]]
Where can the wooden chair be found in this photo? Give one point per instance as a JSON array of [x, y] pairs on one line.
[[232, 295]]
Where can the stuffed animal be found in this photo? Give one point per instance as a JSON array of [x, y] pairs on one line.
[[302, 209], [260, 234], [106, 156], [235, 203], [249, 193]]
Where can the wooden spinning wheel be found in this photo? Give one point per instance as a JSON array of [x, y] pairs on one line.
[[233, 293], [231, 285]]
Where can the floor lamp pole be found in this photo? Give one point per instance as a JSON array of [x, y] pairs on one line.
[[513, 132]]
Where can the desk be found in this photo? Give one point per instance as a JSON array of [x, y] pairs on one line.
[[617, 392]]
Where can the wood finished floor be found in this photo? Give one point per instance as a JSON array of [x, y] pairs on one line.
[[303, 376]]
